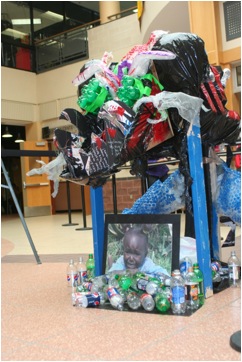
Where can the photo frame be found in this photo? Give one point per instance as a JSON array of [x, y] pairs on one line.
[[162, 232]]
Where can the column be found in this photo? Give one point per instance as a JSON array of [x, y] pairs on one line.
[[108, 8]]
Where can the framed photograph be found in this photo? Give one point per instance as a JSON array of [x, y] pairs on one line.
[[147, 243]]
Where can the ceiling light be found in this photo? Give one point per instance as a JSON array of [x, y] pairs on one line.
[[25, 21], [52, 16], [7, 134], [14, 33], [19, 139]]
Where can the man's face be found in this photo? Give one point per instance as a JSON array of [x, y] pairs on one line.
[[135, 250]]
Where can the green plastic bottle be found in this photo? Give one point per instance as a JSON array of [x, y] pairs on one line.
[[199, 276], [90, 265], [162, 303], [125, 281]]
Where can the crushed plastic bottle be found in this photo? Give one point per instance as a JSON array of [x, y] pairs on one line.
[[115, 299]]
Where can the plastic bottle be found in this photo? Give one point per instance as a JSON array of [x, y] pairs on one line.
[[191, 290], [185, 263], [178, 304], [125, 281], [133, 300], [113, 280], [98, 283], [77, 298], [115, 299], [153, 286], [199, 276], [103, 296], [71, 274], [90, 264], [234, 270], [82, 271], [147, 302], [90, 300], [135, 278], [162, 304]]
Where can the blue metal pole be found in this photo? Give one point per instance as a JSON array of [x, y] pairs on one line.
[[98, 227], [200, 205]]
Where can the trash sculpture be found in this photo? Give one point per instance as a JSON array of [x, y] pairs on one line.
[[141, 108]]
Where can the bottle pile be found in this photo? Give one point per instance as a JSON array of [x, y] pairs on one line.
[[226, 274], [181, 292]]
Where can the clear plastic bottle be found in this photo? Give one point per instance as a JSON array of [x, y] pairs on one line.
[[98, 283], [191, 290], [178, 304], [147, 302], [103, 296], [153, 286], [82, 270], [113, 280], [199, 275], [133, 300], [115, 299], [71, 274], [185, 263], [234, 270], [100, 280], [90, 264]]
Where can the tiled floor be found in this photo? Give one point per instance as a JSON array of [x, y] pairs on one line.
[[39, 322]]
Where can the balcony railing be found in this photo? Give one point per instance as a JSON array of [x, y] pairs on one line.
[[52, 52], [64, 48]]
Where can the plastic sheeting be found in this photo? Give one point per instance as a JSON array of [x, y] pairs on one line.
[[228, 197], [53, 169], [162, 197], [189, 69]]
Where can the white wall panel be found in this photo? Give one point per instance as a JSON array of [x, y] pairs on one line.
[[18, 110]]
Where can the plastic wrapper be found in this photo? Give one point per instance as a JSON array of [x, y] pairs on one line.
[[188, 248], [218, 125], [53, 169], [99, 161], [76, 158], [219, 128], [187, 106], [189, 69], [145, 135], [162, 197], [228, 197]]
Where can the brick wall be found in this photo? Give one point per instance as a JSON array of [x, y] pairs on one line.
[[128, 190]]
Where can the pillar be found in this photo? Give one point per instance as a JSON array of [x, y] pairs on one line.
[[108, 8]]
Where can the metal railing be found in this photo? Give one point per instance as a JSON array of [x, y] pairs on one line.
[[64, 48], [52, 52]]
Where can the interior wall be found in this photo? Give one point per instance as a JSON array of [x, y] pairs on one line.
[[171, 16]]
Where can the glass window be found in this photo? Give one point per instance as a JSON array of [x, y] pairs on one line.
[[15, 22], [51, 17]]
